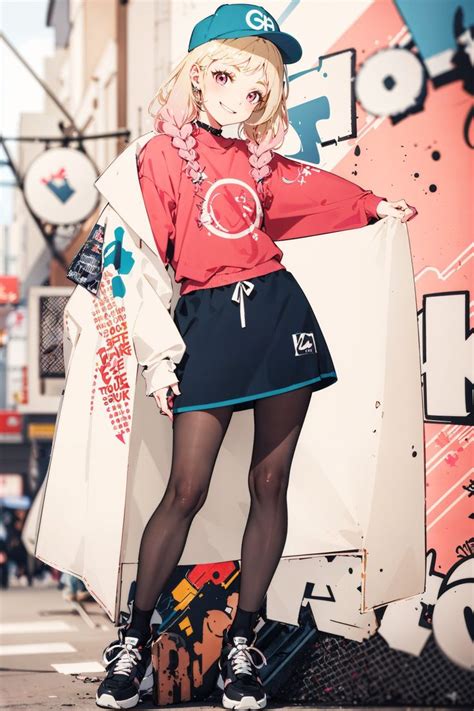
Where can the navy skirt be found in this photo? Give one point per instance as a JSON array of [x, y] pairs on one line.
[[247, 340]]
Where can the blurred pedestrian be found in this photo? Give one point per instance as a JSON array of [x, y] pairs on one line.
[[74, 589]]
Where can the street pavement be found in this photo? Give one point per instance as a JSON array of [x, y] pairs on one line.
[[51, 656], [39, 632]]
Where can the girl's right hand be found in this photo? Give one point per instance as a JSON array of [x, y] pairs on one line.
[[165, 400], [396, 208]]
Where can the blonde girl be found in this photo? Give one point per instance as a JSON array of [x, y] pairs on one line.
[[217, 206]]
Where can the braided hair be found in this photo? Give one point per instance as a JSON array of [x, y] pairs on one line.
[[182, 139]]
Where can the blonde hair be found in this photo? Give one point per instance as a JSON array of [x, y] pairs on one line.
[[265, 128]]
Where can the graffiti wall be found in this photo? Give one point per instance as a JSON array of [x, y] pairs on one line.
[[388, 103]]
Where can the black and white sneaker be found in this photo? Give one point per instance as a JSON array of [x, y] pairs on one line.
[[127, 661], [243, 688]]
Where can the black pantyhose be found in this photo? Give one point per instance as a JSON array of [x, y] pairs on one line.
[[197, 437], [278, 422]]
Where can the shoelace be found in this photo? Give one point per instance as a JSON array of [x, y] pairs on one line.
[[241, 660], [127, 656]]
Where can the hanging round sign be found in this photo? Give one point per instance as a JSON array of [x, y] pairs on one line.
[[59, 186]]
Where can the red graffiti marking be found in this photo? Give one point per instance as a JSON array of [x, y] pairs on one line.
[[110, 376]]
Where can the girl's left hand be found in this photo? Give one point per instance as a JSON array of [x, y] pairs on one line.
[[398, 208]]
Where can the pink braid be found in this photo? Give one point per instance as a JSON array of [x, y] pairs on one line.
[[183, 140], [260, 156]]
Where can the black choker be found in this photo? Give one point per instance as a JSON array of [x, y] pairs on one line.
[[211, 129]]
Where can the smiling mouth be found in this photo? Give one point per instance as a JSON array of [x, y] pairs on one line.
[[226, 107]]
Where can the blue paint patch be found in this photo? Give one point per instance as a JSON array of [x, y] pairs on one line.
[[122, 259], [432, 28], [304, 119], [118, 287]]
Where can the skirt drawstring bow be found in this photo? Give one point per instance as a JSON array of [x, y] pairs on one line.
[[242, 289]]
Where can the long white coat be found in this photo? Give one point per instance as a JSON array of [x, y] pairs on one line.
[[357, 481]]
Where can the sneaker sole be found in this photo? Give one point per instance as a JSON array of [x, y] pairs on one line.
[[107, 701], [246, 702]]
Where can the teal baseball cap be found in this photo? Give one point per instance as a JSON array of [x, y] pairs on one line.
[[245, 20]]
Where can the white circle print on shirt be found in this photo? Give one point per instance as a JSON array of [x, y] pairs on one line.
[[231, 209]]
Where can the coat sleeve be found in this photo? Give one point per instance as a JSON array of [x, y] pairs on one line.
[[158, 196], [158, 344], [309, 201]]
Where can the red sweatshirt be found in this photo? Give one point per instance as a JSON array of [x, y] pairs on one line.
[[218, 232]]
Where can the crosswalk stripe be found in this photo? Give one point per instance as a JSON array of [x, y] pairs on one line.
[[35, 627], [78, 667], [7, 650]]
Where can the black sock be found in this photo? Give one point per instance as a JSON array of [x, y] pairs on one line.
[[140, 621], [243, 624]]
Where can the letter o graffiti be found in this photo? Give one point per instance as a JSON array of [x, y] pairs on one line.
[[390, 82]]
